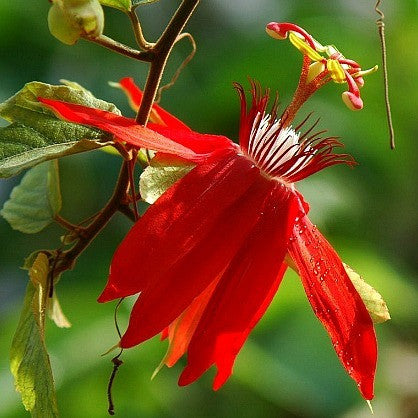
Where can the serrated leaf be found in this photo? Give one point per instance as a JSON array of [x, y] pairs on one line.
[[29, 360], [34, 203], [124, 5], [155, 180], [36, 134], [373, 300]]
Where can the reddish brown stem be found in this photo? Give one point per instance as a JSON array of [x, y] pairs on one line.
[[158, 57]]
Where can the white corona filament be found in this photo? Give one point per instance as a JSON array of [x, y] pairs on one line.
[[270, 146]]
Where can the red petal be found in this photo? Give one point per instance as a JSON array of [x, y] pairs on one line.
[[244, 292], [182, 329], [124, 129], [172, 291], [336, 303], [135, 95], [199, 143], [175, 223]]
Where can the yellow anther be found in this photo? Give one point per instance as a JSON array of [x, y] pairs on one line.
[[315, 69], [336, 70], [304, 47]]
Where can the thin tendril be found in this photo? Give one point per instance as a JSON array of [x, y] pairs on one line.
[[381, 27], [181, 67], [117, 362]]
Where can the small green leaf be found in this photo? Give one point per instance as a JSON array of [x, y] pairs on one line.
[[29, 360], [155, 180], [36, 134], [124, 5], [34, 203], [373, 300]]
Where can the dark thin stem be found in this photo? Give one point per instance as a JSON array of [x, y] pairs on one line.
[[381, 27], [162, 50], [122, 49], [64, 223], [132, 183], [128, 212], [69, 257], [117, 362]]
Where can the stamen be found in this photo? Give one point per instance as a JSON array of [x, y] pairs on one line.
[[277, 149], [281, 30]]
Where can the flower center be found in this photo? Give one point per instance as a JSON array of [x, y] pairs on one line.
[[276, 148], [276, 151]]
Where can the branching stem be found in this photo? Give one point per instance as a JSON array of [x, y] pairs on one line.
[[157, 55], [122, 49]]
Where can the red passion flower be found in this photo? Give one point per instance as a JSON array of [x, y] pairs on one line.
[[209, 255]]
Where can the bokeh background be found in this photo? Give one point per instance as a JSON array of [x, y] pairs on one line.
[[288, 367]]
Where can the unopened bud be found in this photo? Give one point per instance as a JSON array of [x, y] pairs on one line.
[[68, 20]]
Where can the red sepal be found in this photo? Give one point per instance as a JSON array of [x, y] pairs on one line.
[[124, 129], [244, 291], [135, 94]]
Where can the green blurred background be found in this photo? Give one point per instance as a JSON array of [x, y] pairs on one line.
[[288, 367]]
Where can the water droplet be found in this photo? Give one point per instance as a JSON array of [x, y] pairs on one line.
[[315, 272]]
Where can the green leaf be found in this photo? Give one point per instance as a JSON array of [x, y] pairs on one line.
[[36, 134], [34, 203], [29, 360], [155, 180], [373, 300], [124, 5]]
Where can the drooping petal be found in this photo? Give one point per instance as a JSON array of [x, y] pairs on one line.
[[176, 222], [180, 331], [170, 293], [158, 114], [124, 129], [336, 303], [244, 292]]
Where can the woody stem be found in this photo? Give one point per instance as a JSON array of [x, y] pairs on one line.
[[162, 50], [158, 54]]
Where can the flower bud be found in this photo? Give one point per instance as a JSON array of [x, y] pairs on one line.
[[68, 20]]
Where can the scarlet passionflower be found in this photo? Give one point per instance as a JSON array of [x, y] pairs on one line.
[[209, 255]]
